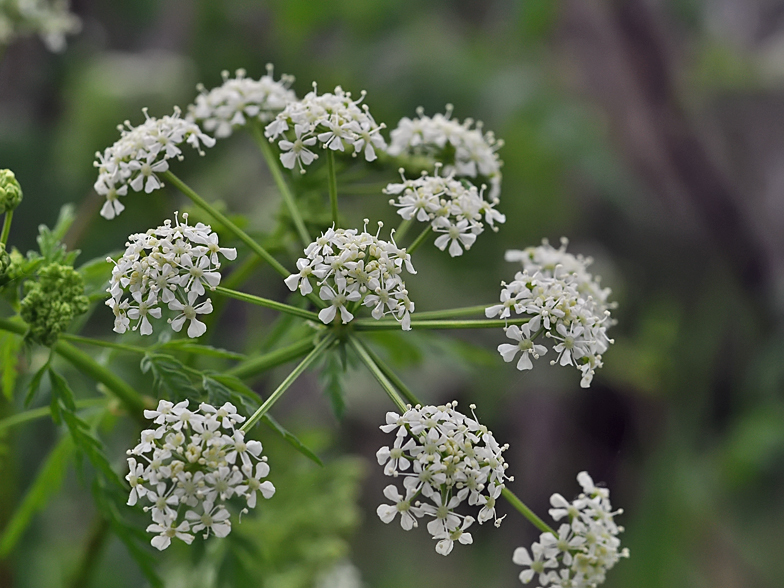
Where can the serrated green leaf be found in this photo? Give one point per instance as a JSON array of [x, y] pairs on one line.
[[35, 383], [49, 240], [331, 377], [10, 345], [47, 482], [170, 379], [221, 388], [291, 439]]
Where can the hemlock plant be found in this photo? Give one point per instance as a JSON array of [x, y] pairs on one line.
[[194, 463]]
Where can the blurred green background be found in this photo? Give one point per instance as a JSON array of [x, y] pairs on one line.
[[651, 133]]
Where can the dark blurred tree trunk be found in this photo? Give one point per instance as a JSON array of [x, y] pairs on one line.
[[622, 59]]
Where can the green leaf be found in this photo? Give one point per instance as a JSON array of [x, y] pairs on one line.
[[10, 345], [47, 482], [96, 274], [49, 240], [170, 378], [35, 383], [332, 379], [291, 439], [221, 388]]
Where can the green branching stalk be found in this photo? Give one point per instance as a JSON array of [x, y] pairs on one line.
[[130, 398], [267, 303], [423, 236], [392, 376], [402, 229], [333, 186], [105, 344], [285, 384], [221, 218], [454, 313], [258, 365], [527, 512], [389, 325], [6, 226], [45, 411], [280, 181], [377, 372]]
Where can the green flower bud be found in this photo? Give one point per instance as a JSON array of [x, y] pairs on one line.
[[10, 191], [52, 302]]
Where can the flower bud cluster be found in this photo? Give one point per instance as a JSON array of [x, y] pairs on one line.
[[465, 151], [353, 267], [10, 191], [50, 19], [142, 152], [587, 544], [453, 208], [52, 302], [222, 109], [190, 466], [565, 302], [332, 120], [445, 458], [169, 265]]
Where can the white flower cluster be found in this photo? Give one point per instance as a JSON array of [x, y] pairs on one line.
[[453, 208], [50, 19], [240, 99], [587, 544], [359, 268], [333, 120], [447, 458], [564, 301], [140, 153], [465, 151], [170, 265], [189, 466]]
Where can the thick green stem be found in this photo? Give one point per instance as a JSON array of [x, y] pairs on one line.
[[6, 226], [453, 313], [527, 512], [257, 365], [45, 411], [96, 540], [402, 229], [265, 302], [221, 218], [284, 385], [388, 325], [420, 239], [392, 377], [280, 181], [102, 343], [333, 186], [130, 398], [367, 359]]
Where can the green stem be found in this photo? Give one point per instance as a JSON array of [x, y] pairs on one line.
[[284, 385], [44, 411], [527, 512], [96, 540], [454, 313], [389, 325], [257, 365], [130, 398], [333, 186], [6, 226], [265, 302], [402, 229], [367, 359], [283, 187], [420, 239], [392, 377], [221, 218], [102, 343]]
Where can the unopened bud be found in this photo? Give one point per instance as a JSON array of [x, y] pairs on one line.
[[10, 191]]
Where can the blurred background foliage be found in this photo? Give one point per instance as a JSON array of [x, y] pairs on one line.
[[650, 132]]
